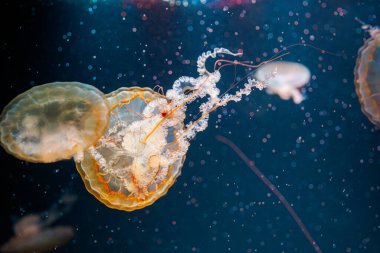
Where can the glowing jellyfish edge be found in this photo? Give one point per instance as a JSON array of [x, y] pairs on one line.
[[368, 89]]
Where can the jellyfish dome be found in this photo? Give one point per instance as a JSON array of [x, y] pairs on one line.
[[289, 78], [123, 170], [367, 76], [54, 121]]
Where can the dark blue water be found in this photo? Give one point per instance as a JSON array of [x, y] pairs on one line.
[[323, 155]]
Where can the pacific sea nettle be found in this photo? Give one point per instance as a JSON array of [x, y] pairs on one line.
[[367, 75], [141, 153], [123, 170], [53, 121]]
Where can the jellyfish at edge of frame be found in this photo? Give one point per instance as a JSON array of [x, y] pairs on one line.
[[34, 234], [367, 76], [141, 153], [53, 121], [289, 78]]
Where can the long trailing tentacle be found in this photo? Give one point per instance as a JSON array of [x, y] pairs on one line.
[[201, 62]]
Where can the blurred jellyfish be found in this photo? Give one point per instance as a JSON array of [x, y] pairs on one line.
[[33, 234], [54, 121], [289, 78], [119, 170], [367, 75]]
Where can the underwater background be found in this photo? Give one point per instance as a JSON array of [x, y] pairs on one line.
[[323, 154]]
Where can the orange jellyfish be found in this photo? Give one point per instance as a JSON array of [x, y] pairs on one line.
[[367, 75], [289, 78], [33, 234], [120, 170], [143, 149], [54, 121], [273, 188]]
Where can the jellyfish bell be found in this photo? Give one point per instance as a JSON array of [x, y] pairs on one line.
[[121, 170], [289, 78], [367, 76], [143, 149], [53, 121]]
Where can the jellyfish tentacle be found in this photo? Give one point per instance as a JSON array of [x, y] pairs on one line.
[[201, 62], [193, 95], [98, 157], [273, 188], [202, 85], [78, 157], [206, 108]]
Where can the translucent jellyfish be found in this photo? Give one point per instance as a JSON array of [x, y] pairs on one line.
[[41, 241], [142, 152], [120, 170], [367, 76], [289, 78], [33, 234], [54, 121]]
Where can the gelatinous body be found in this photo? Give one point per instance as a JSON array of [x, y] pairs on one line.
[[289, 78], [367, 77], [121, 170], [54, 121], [42, 241], [142, 152]]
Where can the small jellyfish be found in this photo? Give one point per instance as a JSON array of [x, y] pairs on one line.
[[54, 121], [367, 75], [289, 78], [39, 241], [33, 234]]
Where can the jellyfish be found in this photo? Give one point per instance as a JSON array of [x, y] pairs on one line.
[[34, 234], [367, 75], [290, 77], [143, 149], [54, 121], [120, 170], [273, 188]]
